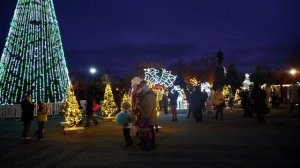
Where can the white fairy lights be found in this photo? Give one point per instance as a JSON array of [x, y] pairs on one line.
[[164, 78]]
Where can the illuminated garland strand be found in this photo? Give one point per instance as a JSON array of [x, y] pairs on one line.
[[33, 60]]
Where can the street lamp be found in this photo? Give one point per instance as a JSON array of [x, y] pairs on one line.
[[293, 72], [93, 70]]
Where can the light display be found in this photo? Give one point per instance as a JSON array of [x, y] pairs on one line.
[[246, 82], [164, 78], [194, 82], [126, 98], [226, 91], [109, 106], [33, 59], [71, 109]]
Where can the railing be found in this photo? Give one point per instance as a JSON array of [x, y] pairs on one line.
[[14, 111]]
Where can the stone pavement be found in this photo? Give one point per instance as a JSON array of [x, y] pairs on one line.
[[235, 142]]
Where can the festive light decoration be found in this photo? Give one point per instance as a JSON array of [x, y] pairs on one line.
[[126, 98], [164, 78], [33, 59], [71, 109], [246, 82], [109, 106], [194, 82], [226, 90], [206, 86], [237, 97]]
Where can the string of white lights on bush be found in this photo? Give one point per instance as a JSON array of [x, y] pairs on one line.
[[33, 59]]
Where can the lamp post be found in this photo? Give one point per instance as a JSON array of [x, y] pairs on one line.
[[92, 71], [293, 73]]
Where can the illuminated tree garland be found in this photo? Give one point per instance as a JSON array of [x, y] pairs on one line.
[[71, 109], [33, 59], [109, 106]]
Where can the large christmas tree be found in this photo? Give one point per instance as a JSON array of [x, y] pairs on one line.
[[33, 60], [109, 106]]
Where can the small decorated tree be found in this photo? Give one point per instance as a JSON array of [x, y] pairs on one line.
[[71, 109], [126, 98], [109, 106]]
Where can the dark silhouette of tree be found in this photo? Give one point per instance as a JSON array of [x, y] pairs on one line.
[[261, 75], [233, 77], [180, 81]]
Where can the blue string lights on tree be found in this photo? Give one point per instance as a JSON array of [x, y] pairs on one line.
[[33, 59]]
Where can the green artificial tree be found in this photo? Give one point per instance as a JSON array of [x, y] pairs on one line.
[[33, 59]]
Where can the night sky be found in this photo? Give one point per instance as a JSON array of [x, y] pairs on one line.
[[114, 35]]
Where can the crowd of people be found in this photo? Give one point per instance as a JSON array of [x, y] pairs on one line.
[[255, 101]]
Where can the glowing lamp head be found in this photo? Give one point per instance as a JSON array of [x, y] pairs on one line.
[[293, 72], [93, 70]]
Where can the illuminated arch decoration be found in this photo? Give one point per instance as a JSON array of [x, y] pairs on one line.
[[33, 59], [163, 77]]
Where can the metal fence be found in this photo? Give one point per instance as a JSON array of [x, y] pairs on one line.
[[14, 111]]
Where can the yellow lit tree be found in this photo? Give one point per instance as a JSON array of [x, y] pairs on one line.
[[126, 98], [71, 109], [194, 82], [109, 106]]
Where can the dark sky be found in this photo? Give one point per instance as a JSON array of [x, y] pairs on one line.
[[115, 34]]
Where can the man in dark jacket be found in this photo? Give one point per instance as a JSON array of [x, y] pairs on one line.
[[27, 115], [198, 102]]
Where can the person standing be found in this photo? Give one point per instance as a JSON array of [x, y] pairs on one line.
[[245, 101], [90, 111], [231, 101], [126, 127], [27, 115], [173, 104], [198, 99], [42, 117], [165, 102], [260, 105], [219, 102], [294, 96], [209, 107], [190, 89], [148, 115]]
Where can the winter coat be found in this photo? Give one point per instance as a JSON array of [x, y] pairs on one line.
[[27, 110], [130, 119], [198, 100], [42, 114], [148, 106], [173, 98], [295, 98], [208, 106], [259, 96]]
